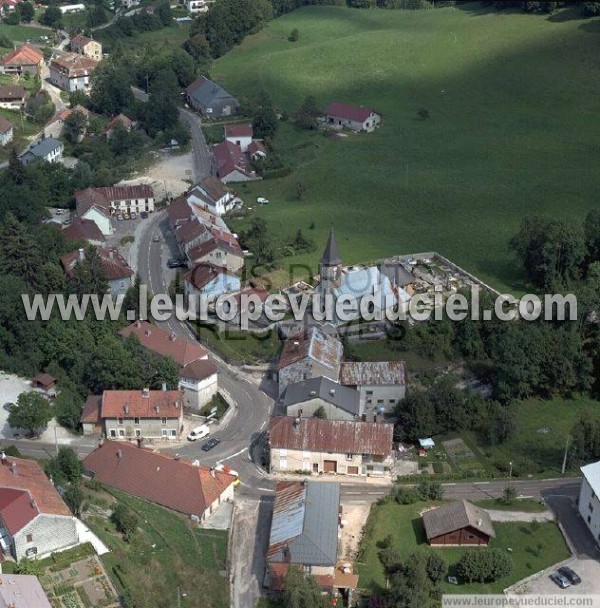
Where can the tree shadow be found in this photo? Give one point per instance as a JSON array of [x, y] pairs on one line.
[[419, 531], [567, 14]]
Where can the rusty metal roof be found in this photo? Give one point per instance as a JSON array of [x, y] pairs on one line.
[[315, 345], [338, 436], [372, 373], [305, 523]]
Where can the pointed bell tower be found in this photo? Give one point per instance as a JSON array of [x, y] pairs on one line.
[[331, 265]]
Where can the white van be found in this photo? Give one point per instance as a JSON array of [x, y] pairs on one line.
[[200, 432]]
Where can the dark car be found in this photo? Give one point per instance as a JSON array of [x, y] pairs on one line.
[[175, 263], [144, 215], [560, 580], [210, 444], [570, 575]]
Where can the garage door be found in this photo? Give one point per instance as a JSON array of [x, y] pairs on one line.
[[352, 470], [330, 466]]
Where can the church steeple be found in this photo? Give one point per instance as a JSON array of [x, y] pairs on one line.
[[331, 264]]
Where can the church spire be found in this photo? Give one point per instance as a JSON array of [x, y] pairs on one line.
[[331, 255]]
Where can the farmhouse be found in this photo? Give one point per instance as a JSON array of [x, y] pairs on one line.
[[82, 229], [240, 135], [589, 503], [165, 344], [211, 194], [194, 490], [6, 132], [131, 414], [458, 523], [199, 383], [309, 355], [112, 200], [49, 150], [210, 99], [26, 59], [82, 45], [116, 269], [71, 72], [12, 97], [305, 534], [380, 384], [304, 398], [222, 249], [339, 115], [232, 164], [330, 446], [120, 120], [34, 520]]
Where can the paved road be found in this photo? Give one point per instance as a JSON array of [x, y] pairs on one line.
[[203, 157]]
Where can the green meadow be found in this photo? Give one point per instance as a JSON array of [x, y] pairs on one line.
[[512, 100]]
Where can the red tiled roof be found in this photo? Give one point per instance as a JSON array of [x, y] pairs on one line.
[[188, 231], [198, 370], [122, 120], [91, 410], [24, 55], [82, 229], [74, 64], [175, 484], [349, 112], [64, 114], [315, 344], [155, 339], [5, 125], [339, 436], [80, 40], [16, 508], [31, 478], [278, 572], [133, 404], [199, 252], [204, 273], [179, 211], [230, 157], [88, 198], [214, 187], [238, 130], [114, 264], [12, 92]]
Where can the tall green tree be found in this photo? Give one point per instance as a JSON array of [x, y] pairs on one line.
[[301, 590], [19, 254], [32, 413]]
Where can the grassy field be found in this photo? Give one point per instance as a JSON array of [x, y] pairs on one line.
[[523, 505], [173, 36], [533, 547], [20, 33], [512, 129], [166, 553]]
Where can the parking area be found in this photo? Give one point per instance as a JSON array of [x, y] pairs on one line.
[[541, 584], [11, 387]]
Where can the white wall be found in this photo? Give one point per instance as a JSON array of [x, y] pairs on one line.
[[589, 508], [102, 221]]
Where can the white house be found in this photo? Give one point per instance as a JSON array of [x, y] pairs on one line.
[[589, 503], [356, 118], [196, 6], [50, 150], [210, 280], [6, 132], [72, 72], [199, 382], [240, 135], [212, 194]]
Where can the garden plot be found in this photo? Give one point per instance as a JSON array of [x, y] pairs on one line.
[[462, 457]]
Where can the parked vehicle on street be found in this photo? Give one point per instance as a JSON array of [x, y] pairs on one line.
[[156, 238], [176, 263], [133, 215], [560, 580], [262, 201], [144, 215], [570, 575], [9, 407], [200, 432], [119, 218], [213, 442], [60, 211]]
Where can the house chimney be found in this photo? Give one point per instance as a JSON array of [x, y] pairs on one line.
[[3, 457], [164, 386], [119, 454], [126, 408], [147, 332], [81, 255], [146, 393], [138, 324], [14, 468], [172, 337], [212, 472]]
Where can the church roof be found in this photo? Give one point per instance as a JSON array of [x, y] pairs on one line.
[[331, 255]]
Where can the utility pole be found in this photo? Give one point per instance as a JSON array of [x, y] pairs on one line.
[[564, 464], [510, 470]]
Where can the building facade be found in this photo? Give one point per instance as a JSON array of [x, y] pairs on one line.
[[589, 503], [72, 72], [199, 383], [82, 45]]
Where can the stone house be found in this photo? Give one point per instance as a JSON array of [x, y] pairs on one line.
[[72, 72], [82, 45], [330, 446]]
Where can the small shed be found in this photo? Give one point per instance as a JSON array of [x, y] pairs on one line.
[[44, 382], [457, 524], [427, 443]]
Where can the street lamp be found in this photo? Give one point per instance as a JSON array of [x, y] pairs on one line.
[[510, 470]]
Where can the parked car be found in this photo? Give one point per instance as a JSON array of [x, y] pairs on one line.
[[126, 216], [262, 201], [119, 217], [200, 432], [133, 215], [570, 575], [60, 211], [175, 263], [9, 407], [560, 580], [67, 221], [144, 215], [210, 444], [156, 238]]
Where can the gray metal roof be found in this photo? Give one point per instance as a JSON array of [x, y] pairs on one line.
[[305, 523], [331, 255], [44, 147], [397, 273], [322, 388], [206, 92]]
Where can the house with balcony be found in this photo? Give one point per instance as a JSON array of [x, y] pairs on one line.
[[338, 447]]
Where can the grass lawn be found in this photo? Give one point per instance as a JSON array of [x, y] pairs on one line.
[[167, 552], [23, 131], [533, 547], [173, 36], [21, 33], [524, 505], [512, 129]]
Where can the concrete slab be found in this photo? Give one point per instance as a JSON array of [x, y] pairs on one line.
[[221, 518]]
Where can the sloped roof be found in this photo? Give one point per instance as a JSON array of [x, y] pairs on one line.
[[168, 345], [455, 516], [22, 591], [114, 264], [229, 246], [5, 125], [24, 55], [592, 474], [179, 211], [43, 379], [91, 410], [31, 478], [62, 115], [119, 119], [12, 91], [229, 157], [44, 147], [74, 64], [175, 484], [338, 436], [17, 509], [331, 255], [80, 40], [205, 92], [214, 187], [199, 370], [349, 112], [355, 373], [305, 523], [315, 345], [238, 130], [133, 404], [205, 273], [323, 388], [82, 229]]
